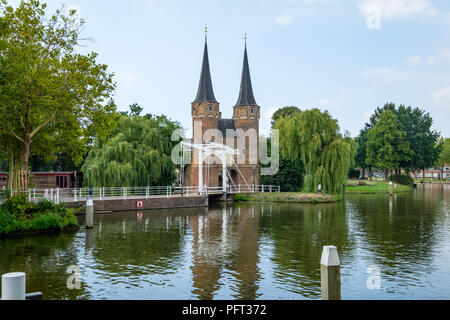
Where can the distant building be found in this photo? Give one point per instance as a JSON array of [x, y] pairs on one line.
[[48, 180], [429, 173], [446, 172]]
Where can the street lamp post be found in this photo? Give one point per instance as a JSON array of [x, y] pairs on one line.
[[90, 189]]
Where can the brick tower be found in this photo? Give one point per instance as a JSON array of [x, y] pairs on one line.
[[206, 115], [246, 115]]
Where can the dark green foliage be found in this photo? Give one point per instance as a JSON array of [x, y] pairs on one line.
[[285, 112], [444, 157], [63, 163], [416, 125], [402, 179], [289, 177], [240, 197], [387, 146], [17, 215], [136, 153], [313, 137], [354, 174]]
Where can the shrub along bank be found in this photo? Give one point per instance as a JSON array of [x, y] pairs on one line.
[[297, 197], [18, 216]]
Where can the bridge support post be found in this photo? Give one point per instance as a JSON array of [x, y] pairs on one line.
[[200, 171], [330, 271], [13, 286], [89, 213]]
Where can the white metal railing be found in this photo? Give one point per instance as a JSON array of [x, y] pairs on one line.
[[58, 195]]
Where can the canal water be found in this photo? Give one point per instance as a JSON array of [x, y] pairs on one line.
[[395, 248]]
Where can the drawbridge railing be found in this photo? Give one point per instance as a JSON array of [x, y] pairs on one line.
[[58, 195]]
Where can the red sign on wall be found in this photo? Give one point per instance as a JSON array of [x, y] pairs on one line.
[[140, 204]]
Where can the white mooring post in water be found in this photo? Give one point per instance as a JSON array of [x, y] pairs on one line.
[[89, 213], [330, 271], [13, 286]]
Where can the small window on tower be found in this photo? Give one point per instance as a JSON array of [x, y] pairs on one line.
[[252, 110], [210, 108], [194, 109]]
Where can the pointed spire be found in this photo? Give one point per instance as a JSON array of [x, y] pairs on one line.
[[246, 97], [205, 89]]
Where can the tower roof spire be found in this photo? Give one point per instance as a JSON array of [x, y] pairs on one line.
[[205, 89], [246, 97]]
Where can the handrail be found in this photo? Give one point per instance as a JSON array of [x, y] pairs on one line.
[[57, 195]]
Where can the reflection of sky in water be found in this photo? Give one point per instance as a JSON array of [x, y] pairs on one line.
[[248, 251]]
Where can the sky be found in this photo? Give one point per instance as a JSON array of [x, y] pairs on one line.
[[345, 56]]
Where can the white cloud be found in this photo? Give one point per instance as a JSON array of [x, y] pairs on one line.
[[388, 74], [442, 98], [284, 19], [441, 56], [269, 113], [399, 8], [414, 61], [326, 103], [127, 78]]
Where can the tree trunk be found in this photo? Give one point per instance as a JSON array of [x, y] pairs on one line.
[[25, 157], [25, 150], [11, 173]]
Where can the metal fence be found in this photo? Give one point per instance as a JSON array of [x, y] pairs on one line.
[[57, 195]]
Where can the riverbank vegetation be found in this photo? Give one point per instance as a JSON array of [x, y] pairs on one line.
[[313, 136], [368, 187], [295, 197], [398, 139], [18, 216], [137, 152]]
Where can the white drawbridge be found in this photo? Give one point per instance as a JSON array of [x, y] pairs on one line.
[[226, 155]]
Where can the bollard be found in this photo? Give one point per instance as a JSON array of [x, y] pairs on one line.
[[89, 214], [34, 296], [13, 286], [330, 270]]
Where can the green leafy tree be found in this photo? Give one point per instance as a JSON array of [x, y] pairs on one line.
[[444, 157], [284, 112], [387, 147], [53, 98], [416, 124], [290, 174], [136, 153], [422, 140], [314, 137]]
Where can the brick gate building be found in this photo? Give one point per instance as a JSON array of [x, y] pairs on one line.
[[208, 126]]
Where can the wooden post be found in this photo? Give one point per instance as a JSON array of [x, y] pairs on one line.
[[330, 270], [13, 286], [390, 188]]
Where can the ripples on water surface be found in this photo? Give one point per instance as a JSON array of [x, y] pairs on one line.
[[248, 251]]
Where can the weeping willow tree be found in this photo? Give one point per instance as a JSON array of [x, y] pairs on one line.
[[314, 137], [137, 153]]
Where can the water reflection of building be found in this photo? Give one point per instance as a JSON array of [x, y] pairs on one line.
[[226, 243]]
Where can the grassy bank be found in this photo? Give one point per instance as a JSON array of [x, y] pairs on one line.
[[367, 187], [295, 197], [18, 216]]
